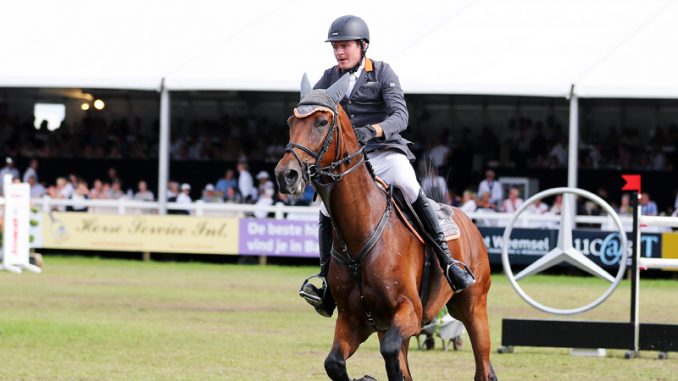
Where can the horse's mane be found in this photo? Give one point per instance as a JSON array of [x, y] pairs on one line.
[[345, 121]]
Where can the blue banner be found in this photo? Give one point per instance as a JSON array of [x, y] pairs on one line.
[[603, 248]]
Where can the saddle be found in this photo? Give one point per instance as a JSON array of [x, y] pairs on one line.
[[406, 212]]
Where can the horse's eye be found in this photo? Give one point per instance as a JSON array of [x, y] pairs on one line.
[[322, 122]]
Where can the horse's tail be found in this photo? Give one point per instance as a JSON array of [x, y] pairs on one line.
[[429, 183]]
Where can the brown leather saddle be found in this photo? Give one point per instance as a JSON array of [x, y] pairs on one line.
[[406, 212]]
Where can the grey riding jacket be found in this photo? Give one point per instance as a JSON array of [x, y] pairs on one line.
[[375, 98]]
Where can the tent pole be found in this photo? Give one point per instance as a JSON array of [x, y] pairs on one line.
[[163, 155], [573, 146]]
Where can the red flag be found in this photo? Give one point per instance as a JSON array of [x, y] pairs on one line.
[[632, 182]]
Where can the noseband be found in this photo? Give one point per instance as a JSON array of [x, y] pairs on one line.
[[313, 171]]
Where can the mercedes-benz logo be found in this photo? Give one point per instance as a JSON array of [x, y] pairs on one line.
[[565, 250]]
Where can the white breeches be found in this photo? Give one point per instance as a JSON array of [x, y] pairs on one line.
[[394, 168]]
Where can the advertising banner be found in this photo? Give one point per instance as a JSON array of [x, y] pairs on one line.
[[527, 245], [278, 237], [170, 234]]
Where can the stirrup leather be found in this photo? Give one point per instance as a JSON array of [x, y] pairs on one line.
[[313, 299]]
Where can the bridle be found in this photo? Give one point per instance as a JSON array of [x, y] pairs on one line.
[[312, 171], [315, 174]]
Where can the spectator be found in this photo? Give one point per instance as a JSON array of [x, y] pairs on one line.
[[555, 209], [647, 206], [245, 182], [264, 182], [32, 170], [557, 205], [185, 196], [143, 194], [233, 196], [485, 203], [8, 169], [226, 182], [172, 191], [37, 190], [265, 199], [64, 189], [538, 207], [211, 195], [98, 192], [112, 175], [80, 194], [492, 187], [468, 202], [625, 208], [116, 192], [559, 152], [513, 202]]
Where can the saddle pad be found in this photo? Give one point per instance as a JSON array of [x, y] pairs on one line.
[[446, 218]]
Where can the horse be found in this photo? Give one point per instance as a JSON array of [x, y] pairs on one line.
[[377, 262]]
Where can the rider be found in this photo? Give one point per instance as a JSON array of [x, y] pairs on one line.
[[375, 104]]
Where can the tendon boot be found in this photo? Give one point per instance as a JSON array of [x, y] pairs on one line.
[[456, 272], [321, 297]]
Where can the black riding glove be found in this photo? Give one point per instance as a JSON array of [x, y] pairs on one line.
[[365, 134]]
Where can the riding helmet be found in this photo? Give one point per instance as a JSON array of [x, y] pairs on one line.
[[348, 28]]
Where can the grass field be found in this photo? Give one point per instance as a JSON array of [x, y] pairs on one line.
[[97, 319]]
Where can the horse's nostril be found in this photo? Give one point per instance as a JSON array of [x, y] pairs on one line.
[[291, 176]]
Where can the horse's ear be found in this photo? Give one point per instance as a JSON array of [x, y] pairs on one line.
[[305, 85], [338, 89]]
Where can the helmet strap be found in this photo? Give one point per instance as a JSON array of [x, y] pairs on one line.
[[363, 50]]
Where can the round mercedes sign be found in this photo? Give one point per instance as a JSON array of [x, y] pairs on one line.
[[565, 250]]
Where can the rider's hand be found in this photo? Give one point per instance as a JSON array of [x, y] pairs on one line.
[[366, 133]]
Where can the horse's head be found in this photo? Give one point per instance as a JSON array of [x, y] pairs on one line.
[[315, 130]]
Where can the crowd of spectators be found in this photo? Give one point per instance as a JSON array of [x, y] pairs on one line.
[[532, 144], [527, 143], [238, 185]]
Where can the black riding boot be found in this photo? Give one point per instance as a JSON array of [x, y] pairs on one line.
[[321, 298], [457, 274]]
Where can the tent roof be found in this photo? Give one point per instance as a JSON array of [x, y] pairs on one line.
[[607, 48]]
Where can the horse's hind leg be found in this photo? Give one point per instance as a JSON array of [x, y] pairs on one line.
[[405, 324], [348, 335], [472, 311]]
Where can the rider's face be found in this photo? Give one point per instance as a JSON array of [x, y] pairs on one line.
[[347, 53]]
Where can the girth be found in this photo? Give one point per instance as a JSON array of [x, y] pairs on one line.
[[353, 262]]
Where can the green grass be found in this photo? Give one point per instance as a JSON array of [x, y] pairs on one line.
[[95, 319]]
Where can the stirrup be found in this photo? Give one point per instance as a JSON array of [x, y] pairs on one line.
[[462, 265], [313, 299]]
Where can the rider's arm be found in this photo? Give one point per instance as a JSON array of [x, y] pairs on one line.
[[394, 98]]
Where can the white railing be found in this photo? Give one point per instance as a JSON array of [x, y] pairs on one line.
[[281, 211]]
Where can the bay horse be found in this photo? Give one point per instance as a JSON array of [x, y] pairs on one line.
[[377, 262]]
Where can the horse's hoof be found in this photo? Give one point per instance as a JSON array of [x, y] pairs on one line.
[[365, 378]]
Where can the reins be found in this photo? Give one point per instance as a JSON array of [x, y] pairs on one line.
[[316, 174]]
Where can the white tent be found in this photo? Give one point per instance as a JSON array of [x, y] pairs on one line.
[[606, 48], [554, 48]]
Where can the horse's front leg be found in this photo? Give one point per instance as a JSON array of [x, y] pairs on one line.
[[348, 335], [405, 325]]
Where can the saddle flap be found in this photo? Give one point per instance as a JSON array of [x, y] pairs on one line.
[[444, 212]]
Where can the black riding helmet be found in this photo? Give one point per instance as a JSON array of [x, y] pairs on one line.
[[348, 28]]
